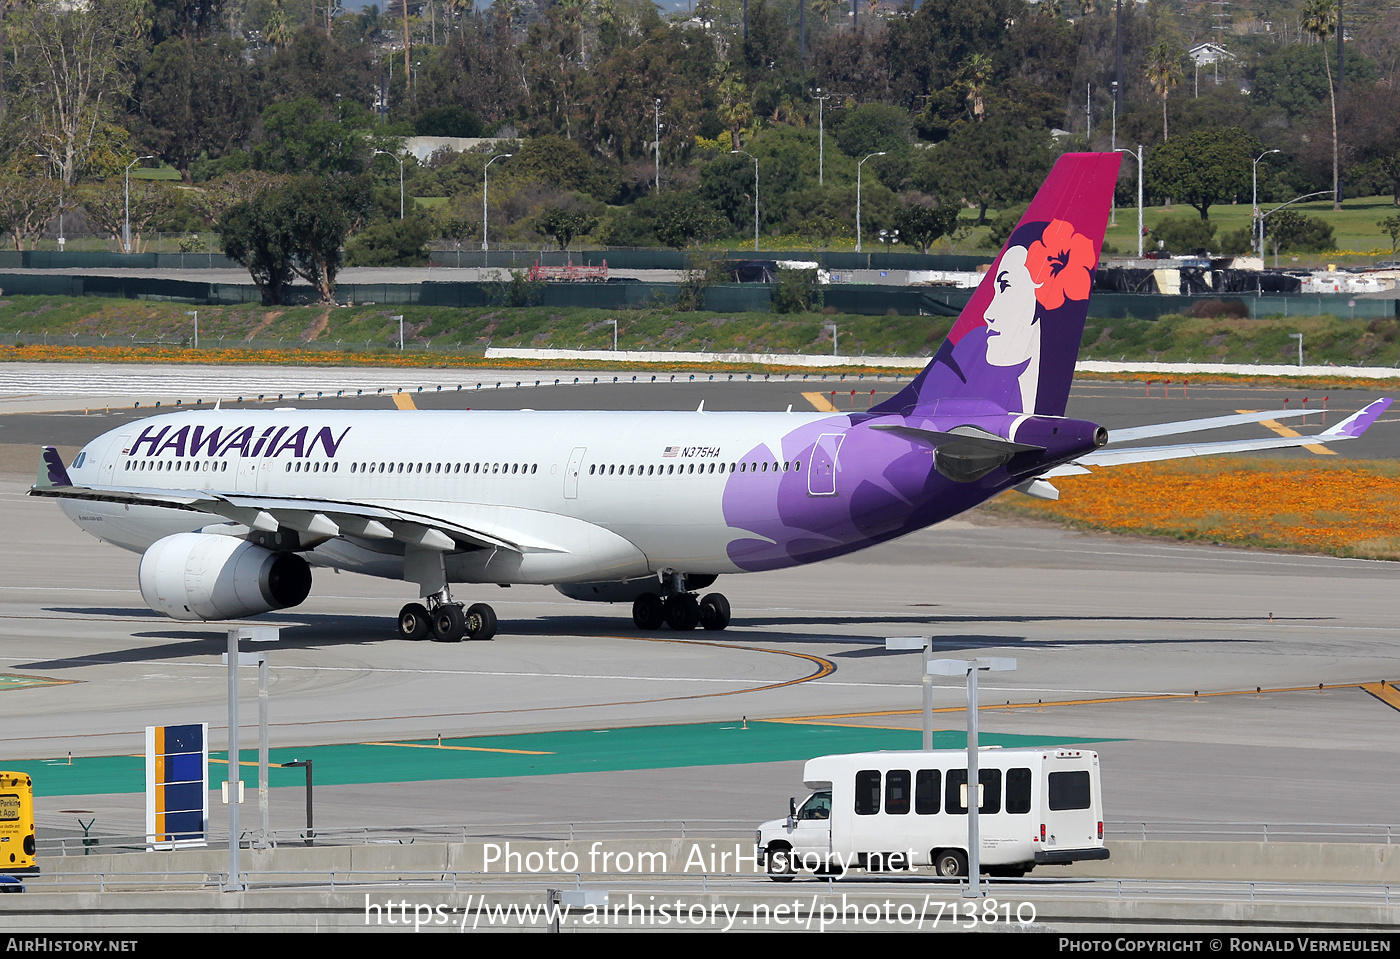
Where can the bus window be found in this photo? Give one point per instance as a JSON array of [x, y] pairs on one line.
[[1018, 790], [817, 806], [927, 783], [1069, 790], [867, 792], [988, 791], [897, 792], [17, 823]]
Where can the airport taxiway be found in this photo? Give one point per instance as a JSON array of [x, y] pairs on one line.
[[1113, 638]]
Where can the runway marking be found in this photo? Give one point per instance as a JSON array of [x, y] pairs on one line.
[[1282, 430], [470, 749], [819, 402], [405, 402], [1390, 696], [1385, 692]]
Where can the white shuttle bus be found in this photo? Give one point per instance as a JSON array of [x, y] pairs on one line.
[[900, 810]]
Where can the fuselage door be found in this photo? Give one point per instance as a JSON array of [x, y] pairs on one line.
[[821, 471], [572, 470]]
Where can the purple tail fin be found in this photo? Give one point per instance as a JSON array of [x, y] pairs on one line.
[[1014, 345]]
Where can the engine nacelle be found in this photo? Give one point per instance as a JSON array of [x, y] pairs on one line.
[[199, 576]]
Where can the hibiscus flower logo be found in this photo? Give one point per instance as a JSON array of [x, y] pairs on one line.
[[1062, 265]]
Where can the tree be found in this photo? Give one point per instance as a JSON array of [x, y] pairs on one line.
[[1164, 72], [564, 224], [296, 229], [1181, 234], [1203, 168], [922, 225], [1292, 232], [684, 217], [1391, 227], [27, 203], [1320, 19], [70, 73], [996, 163], [109, 204]]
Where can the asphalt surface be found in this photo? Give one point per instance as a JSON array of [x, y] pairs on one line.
[[1114, 637]]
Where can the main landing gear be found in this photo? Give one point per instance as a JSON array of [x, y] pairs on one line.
[[445, 621], [679, 609]]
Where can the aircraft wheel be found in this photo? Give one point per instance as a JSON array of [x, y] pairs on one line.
[[449, 623], [950, 863], [648, 612], [481, 622], [682, 612], [414, 622], [714, 611]]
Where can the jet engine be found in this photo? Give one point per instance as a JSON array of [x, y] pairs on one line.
[[196, 576]]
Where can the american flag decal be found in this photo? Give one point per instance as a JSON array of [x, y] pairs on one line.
[[671, 451]]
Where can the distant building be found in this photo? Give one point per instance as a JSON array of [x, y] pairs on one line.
[[1205, 54]]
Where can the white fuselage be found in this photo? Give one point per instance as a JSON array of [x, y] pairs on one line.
[[590, 495]]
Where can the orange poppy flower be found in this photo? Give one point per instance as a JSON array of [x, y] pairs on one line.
[[1062, 264]]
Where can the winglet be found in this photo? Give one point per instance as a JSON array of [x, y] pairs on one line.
[[52, 472], [1358, 422]]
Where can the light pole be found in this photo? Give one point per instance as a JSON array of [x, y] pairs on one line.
[[924, 643], [1138, 157], [484, 170], [400, 319], [755, 195], [1113, 145], [126, 220], [400, 159], [821, 137], [195, 314], [614, 326], [1259, 223], [858, 171], [1299, 338], [970, 669], [832, 328], [656, 143]]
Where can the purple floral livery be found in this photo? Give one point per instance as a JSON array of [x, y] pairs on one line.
[[986, 414]]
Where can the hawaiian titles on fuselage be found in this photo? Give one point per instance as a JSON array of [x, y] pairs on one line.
[[273, 441]]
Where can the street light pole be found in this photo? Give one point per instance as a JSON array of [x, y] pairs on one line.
[[858, 171], [1299, 338], [1138, 157], [400, 159], [195, 314], [821, 137], [656, 144], [755, 195], [501, 156], [1259, 223], [970, 669], [126, 220]]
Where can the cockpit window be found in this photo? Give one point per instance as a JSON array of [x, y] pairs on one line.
[[817, 806]]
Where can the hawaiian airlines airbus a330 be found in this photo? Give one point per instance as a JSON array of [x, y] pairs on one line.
[[232, 508]]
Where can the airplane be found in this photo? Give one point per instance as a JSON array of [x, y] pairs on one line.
[[231, 509]]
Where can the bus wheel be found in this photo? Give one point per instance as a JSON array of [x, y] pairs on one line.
[[779, 864], [950, 863]]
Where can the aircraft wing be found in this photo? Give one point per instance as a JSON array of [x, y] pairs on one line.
[[1350, 428], [431, 524]]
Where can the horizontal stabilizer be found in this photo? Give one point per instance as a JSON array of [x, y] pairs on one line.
[[1133, 433], [1350, 428]]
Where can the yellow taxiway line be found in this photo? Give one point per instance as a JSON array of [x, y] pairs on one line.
[[1282, 430], [404, 401], [819, 402]]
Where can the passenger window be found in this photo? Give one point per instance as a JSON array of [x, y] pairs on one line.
[[1069, 790], [867, 792], [897, 792], [1018, 791], [927, 783]]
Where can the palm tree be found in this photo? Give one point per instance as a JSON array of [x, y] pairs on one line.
[[977, 72], [1320, 19], [1163, 72]]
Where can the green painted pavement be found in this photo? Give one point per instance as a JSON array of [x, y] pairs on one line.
[[574, 751]]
